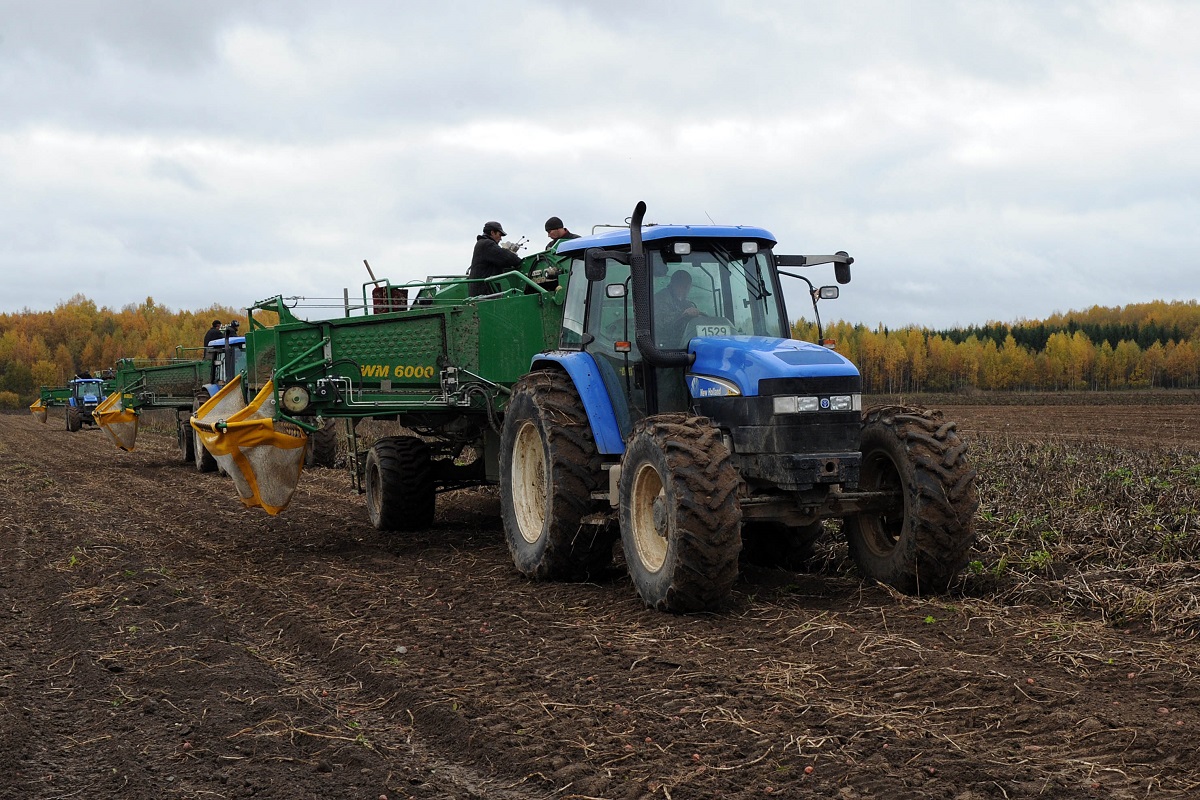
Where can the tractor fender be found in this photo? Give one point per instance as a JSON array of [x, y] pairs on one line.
[[581, 367], [212, 388]]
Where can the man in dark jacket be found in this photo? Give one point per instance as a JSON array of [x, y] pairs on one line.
[[213, 333], [489, 258], [556, 231]]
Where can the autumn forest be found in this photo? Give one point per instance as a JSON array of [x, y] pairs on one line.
[[1147, 345]]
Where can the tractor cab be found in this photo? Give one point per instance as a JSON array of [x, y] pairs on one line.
[[681, 316], [86, 392], [227, 357]]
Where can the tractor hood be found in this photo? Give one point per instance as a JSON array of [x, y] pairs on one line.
[[746, 360]]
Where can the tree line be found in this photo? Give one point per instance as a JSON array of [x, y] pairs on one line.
[[48, 348], [1149, 345]]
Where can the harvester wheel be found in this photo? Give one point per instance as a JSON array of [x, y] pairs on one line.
[[922, 542], [185, 439], [680, 517], [398, 475], [549, 467], [204, 460], [322, 447], [74, 421]]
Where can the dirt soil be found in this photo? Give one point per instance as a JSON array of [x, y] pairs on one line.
[[157, 640]]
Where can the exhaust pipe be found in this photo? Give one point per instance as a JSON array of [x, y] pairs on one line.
[[641, 300]]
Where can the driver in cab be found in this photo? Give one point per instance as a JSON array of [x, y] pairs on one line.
[[673, 310]]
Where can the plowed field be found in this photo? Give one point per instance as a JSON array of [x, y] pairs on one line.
[[157, 640]]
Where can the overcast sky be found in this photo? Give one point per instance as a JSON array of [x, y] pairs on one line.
[[981, 161]]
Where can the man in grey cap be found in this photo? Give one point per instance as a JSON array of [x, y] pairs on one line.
[[556, 231], [489, 258]]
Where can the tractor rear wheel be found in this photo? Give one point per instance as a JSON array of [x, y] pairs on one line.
[[921, 543], [549, 467], [398, 476], [680, 516], [74, 422], [321, 449], [204, 460]]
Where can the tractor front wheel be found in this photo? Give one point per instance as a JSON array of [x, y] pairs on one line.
[[680, 516], [920, 543], [398, 476], [549, 467], [74, 421]]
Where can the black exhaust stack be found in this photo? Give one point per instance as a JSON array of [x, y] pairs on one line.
[[641, 300]]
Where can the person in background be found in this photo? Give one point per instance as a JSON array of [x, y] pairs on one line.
[[556, 231], [213, 333], [489, 258]]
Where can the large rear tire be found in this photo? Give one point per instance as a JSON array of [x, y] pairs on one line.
[[398, 476], [680, 516], [549, 467], [204, 460], [920, 544]]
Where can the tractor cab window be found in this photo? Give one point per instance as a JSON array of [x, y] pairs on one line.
[[223, 372], [713, 290], [89, 392], [612, 342], [575, 308]]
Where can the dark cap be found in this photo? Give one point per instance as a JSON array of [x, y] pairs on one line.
[[553, 224], [216, 322], [492, 225]]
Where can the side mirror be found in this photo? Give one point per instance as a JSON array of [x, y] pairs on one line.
[[614, 290], [595, 265], [841, 271], [829, 292]]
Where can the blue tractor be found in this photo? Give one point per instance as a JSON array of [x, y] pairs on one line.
[[86, 393], [677, 413]]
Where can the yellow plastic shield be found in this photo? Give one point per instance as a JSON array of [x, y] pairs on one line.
[[264, 463], [119, 422], [38, 409]]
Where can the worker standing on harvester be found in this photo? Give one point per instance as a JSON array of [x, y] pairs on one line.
[[490, 258], [213, 333], [558, 232]]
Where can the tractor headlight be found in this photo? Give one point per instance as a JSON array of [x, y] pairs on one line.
[[796, 405], [786, 404], [845, 402]]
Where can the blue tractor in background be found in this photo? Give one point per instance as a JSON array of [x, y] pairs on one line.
[[86, 394]]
